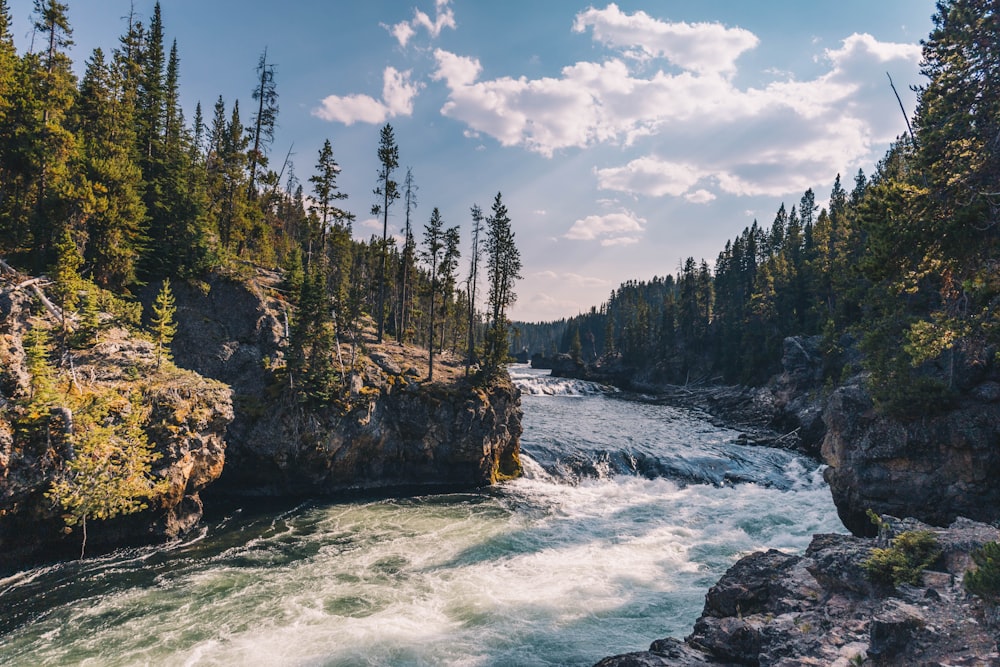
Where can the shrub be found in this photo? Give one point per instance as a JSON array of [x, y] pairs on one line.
[[984, 581], [902, 563]]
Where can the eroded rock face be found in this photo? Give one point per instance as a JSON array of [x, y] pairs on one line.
[[390, 431], [399, 436], [187, 421], [935, 469], [775, 609]]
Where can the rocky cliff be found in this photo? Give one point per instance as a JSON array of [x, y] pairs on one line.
[[777, 609], [186, 418], [934, 468], [389, 429]]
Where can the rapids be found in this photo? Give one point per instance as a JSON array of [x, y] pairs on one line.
[[627, 513]]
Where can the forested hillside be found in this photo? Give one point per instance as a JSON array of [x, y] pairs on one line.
[[106, 186], [904, 263]]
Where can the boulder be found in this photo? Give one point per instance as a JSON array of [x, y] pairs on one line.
[[777, 610], [935, 468]]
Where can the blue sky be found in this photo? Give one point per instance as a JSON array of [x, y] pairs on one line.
[[624, 136]]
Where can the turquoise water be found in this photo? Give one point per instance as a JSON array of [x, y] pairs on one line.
[[627, 514]]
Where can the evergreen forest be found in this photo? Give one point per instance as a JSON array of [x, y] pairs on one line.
[[902, 264], [106, 187]]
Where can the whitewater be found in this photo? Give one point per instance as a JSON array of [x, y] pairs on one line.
[[627, 513]]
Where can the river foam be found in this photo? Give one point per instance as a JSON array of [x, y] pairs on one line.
[[551, 569]]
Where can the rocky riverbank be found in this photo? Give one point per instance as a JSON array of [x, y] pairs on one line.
[[223, 419], [822, 608], [933, 467], [390, 430], [186, 418]]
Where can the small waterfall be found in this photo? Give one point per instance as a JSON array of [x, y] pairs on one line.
[[535, 383]]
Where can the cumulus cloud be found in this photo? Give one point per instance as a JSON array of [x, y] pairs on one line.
[[698, 47], [650, 176], [398, 93], [700, 197], [444, 17], [620, 228], [708, 133]]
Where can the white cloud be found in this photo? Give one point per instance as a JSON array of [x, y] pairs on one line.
[[698, 47], [621, 240], [456, 71], [402, 31], [444, 17], [775, 139], [398, 93], [574, 279], [650, 176], [371, 223], [611, 229], [700, 197]]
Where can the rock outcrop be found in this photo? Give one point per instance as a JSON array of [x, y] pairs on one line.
[[773, 609], [934, 468], [389, 430], [186, 423]]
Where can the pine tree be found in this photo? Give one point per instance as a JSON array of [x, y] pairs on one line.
[[116, 212], [163, 323], [503, 262], [327, 193], [434, 245], [54, 144], [472, 283], [110, 472], [66, 280], [407, 262], [448, 277], [388, 190], [9, 65], [264, 120]]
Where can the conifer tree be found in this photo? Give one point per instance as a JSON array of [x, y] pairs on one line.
[[448, 276], [9, 65], [54, 144], [163, 323], [472, 283], [503, 262], [388, 190], [264, 120], [115, 212], [110, 472], [326, 193], [434, 245], [66, 280], [407, 264]]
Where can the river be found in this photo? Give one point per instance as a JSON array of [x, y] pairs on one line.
[[627, 513]]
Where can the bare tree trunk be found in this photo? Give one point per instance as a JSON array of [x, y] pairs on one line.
[[83, 545]]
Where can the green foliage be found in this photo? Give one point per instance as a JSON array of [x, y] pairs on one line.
[[503, 266], [43, 377], [162, 322], [90, 319], [984, 581], [911, 553], [110, 470], [66, 280]]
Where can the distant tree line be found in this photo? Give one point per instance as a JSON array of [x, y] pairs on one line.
[[105, 179], [906, 263]]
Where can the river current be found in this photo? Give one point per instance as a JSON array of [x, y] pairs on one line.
[[627, 513]]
